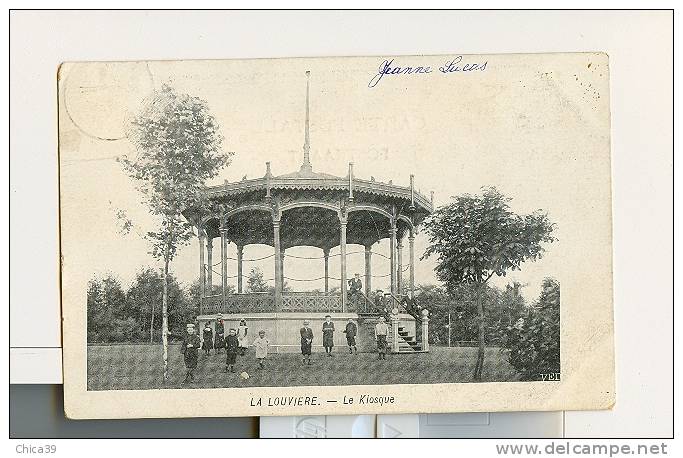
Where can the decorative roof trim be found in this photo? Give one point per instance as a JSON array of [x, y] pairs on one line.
[[337, 184]]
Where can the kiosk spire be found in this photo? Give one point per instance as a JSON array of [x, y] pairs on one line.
[[306, 166]]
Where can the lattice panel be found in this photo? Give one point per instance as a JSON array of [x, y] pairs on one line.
[[265, 302], [311, 303]]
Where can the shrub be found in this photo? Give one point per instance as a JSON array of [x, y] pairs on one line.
[[534, 341]]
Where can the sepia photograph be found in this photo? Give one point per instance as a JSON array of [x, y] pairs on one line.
[[396, 229]]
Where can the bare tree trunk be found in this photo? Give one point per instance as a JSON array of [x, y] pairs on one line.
[[151, 324], [482, 334], [164, 313]]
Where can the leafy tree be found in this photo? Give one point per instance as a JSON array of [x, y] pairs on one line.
[[107, 315], [459, 302], [534, 340], [96, 310], [477, 236], [177, 147], [146, 292], [255, 281], [511, 305], [465, 298]]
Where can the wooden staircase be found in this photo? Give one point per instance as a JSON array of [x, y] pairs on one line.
[[369, 314], [407, 343]]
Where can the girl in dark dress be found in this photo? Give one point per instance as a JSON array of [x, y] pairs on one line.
[[231, 348], [207, 345], [190, 350]]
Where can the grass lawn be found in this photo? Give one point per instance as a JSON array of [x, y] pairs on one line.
[[139, 367]]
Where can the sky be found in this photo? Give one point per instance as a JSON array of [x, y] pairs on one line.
[[528, 124]]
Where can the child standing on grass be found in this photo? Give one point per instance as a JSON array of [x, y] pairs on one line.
[[242, 332], [219, 340], [190, 350], [207, 344], [351, 330], [231, 349], [381, 331], [328, 335], [306, 341], [261, 344]]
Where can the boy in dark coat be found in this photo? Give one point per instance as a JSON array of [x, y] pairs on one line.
[[207, 345], [351, 330], [190, 350], [328, 335], [306, 341], [232, 345]]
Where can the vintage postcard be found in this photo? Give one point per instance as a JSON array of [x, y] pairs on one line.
[[346, 235]]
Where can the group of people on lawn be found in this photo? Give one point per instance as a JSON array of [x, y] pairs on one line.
[[236, 342]]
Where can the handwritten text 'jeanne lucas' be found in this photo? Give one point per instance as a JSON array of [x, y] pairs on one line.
[[457, 64]]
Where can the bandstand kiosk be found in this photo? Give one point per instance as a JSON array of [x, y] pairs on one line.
[[309, 208]]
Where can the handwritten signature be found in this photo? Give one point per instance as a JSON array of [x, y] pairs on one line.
[[454, 65]]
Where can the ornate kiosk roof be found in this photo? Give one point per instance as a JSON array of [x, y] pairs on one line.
[[309, 206]]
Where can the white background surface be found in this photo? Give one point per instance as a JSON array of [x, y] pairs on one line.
[[640, 48]]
